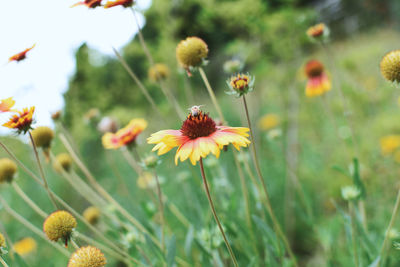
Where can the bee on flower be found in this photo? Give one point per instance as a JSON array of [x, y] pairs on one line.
[[240, 84], [22, 121], [126, 136], [123, 3], [21, 55], [198, 137], [88, 3], [318, 33], [390, 66], [6, 104], [318, 81]]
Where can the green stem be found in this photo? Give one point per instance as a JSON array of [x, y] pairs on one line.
[[2, 261], [46, 186], [264, 186], [353, 234], [28, 200], [203, 175]]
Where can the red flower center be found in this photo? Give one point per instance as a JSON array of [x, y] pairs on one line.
[[314, 68], [199, 125]]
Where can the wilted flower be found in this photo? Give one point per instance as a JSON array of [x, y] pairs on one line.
[[191, 53], [92, 214], [124, 3], [88, 3], [240, 84], [125, 136], [350, 192], [389, 144], [8, 170], [64, 161], [318, 81], [390, 66], [198, 137], [6, 104], [107, 124], [25, 246], [87, 257], [233, 66], [268, 121], [319, 32], [59, 225], [21, 55], [22, 121], [158, 72]]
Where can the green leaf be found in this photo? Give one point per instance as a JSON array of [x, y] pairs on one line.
[[357, 178], [171, 251]]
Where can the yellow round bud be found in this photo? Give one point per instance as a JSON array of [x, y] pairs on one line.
[[92, 214], [25, 246], [158, 72], [8, 170], [2, 241], [63, 161], [59, 225], [191, 52], [42, 136], [87, 257], [390, 66]]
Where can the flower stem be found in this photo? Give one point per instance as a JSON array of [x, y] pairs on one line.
[[392, 220], [46, 186], [74, 244], [203, 175], [353, 234], [161, 207], [28, 200], [2, 261], [264, 186], [211, 93]]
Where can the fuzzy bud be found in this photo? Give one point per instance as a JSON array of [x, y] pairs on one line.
[[8, 170]]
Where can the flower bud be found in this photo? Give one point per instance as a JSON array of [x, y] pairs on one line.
[[8, 170]]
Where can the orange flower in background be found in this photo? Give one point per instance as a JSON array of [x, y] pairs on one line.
[[318, 81], [21, 55], [198, 137], [124, 3], [124, 136], [6, 104], [21, 121], [316, 30], [88, 3]]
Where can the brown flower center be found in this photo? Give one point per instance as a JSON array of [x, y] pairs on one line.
[[314, 68], [198, 125]]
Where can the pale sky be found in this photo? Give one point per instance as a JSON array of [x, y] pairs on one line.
[[58, 31]]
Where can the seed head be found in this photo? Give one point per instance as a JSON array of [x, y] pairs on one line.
[[158, 72], [59, 225], [63, 161], [8, 170], [25, 246], [191, 52], [92, 215], [390, 66], [42, 136], [87, 257]]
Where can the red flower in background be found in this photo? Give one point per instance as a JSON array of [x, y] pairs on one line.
[[318, 81], [124, 3]]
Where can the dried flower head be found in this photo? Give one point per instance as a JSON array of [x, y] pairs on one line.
[[87, 257], [92, 215], [22, 121], [125, 136], [6, 104], [158, 72], [198, 137], [350, 192], [63, 161], [268, 122], [191, 53], [2, 241], [59, 225], [42, 136], [318, 32], [318, 82], [390, 66], [25, 246], [8, 170], [21, 55], [240, 84], [89, 3], [123, 3]]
